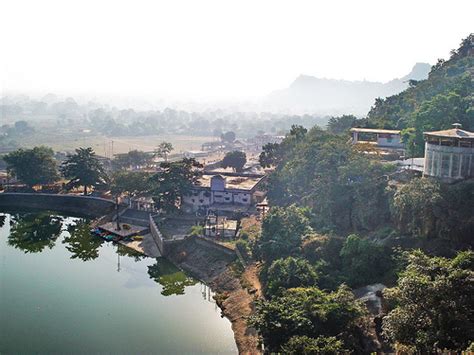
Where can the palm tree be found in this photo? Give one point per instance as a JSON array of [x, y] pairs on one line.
[[83, 169], [163, 150]]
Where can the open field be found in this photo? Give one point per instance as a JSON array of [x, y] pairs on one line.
[[105, 146]]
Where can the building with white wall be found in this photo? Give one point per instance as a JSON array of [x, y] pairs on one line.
[[449, 154], [383, 138], [213, 190]]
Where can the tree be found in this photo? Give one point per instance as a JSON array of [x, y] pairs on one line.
[[175, 179], [308, 312], [282, 233], [303, 345], [33, 166], [416, 206], [363, 261], [342, 124], [235, 160], [83, 169], [344, 188], [271, 155], [132, 159], [433, 303], [163, 150], [130, 182], [290, 273], [228, 137]]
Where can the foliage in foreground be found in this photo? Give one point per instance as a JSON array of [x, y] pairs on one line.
[[309, 312], [312, 346], [433, 303]]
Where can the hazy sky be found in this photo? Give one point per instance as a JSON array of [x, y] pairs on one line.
[[222, 49]]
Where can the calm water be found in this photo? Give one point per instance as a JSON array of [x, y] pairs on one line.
[[63, 291]]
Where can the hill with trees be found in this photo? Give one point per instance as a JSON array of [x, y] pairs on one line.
[[444, 98]]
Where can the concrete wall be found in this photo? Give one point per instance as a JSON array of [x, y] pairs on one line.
[[211, 244], [82, 205]]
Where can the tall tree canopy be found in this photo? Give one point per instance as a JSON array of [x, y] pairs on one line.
[[133, 158], [235, 160], [344, 187], [282, 232], [33, 166], [433, 303], [175, 179], [342, 124], [163, 150], [83, 169], [308, 312], [130, 182]]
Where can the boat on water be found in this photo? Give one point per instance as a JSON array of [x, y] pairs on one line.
[[104, 235]]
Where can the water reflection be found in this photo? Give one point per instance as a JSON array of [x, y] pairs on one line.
[[170, 277], [80, 242], [32, 232], [122, 250]]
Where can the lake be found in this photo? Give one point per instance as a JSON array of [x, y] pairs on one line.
[[65, 291]]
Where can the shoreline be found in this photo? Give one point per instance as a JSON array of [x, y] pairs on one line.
[[234, 300], [235, 293]]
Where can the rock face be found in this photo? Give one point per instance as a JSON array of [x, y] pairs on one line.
[[371, 295], [308, 94]]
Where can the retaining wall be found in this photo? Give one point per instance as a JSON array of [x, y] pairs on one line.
[[203, 241], [82, 205]]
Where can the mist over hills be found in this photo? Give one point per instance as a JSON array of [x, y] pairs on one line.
[[309, 94]]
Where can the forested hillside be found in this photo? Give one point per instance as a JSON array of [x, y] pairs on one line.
[[339, 219], [444, 98]]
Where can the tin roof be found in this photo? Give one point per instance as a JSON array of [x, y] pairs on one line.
[[451, 133], [375, 130]]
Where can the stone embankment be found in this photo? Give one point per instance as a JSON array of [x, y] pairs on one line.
[[77, 205], [215, 267]]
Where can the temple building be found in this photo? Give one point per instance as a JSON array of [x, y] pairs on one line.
[[449, 154], [224, 191]]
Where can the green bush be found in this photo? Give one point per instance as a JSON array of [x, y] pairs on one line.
[[196, 230]]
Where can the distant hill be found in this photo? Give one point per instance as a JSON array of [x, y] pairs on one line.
[[308, 94], [445, 97]]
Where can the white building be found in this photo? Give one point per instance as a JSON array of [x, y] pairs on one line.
[[383, 138], [219, 189], [449, 154]]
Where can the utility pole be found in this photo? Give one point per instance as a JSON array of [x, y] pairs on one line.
[[117, 213]]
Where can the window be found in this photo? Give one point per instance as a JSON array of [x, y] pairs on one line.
[[435, 172], [455, 166], [465, 165], [445, 165]]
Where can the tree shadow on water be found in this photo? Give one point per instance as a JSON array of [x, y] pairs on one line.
[[173, 280], [80, 243], [33, 232]]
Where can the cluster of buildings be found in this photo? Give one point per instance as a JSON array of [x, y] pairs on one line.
[[449, 154], [225, 191]]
